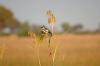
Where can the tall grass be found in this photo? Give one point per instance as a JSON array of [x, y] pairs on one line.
[[51, 22], [2, 51], [54, 55], [71, 50]]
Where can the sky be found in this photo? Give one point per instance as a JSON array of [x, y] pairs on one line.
[[86, 12]]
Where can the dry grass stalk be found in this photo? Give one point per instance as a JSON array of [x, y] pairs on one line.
[[38, 46], [32, 35], [52, 21], [54, 55], [2, 51]]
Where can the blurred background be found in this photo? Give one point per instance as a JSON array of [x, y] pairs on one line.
[[76, 33], [72, 16]]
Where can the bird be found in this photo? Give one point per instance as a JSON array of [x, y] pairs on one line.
[[45, 32]]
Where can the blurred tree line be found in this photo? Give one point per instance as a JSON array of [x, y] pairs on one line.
[[10, 25], [78, 29]]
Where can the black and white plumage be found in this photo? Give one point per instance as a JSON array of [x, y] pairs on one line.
[[45, 32]]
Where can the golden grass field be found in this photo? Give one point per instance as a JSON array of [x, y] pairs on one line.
[[72, 50]]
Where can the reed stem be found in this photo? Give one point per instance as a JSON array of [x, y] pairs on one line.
[[54, 55], [38, 48]]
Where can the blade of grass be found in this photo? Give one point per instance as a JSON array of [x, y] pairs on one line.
[[54, 55], [38, 55], [2, 53], [38, 46]]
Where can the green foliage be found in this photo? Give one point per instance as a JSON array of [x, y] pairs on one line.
[[24, 29], [76, 28], [4, 34], [5, 13], [7, 18], [65, 27], [98, 29]]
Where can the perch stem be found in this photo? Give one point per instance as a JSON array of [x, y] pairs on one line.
[[52, 28]]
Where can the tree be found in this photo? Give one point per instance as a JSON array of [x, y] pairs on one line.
[[7, 18], [65, 27], [98, 29], [24, 29], [77, 28]]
